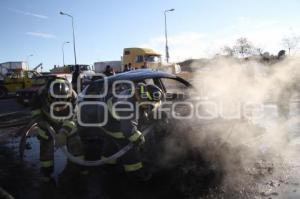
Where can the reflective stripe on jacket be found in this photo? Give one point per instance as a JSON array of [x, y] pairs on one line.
[[128, 127]]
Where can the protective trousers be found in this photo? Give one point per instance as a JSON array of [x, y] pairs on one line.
[[131, 161], [47, 149]]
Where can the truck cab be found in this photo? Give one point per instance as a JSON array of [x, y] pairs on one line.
[[147, 58], [141, 58]]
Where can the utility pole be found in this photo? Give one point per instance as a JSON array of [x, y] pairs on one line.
[[74, 46], [166, 34], [63, 52], [27, 59]]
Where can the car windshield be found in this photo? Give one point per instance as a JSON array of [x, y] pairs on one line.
[[117, 87], [85, 67], [94, 88], [152, 58]]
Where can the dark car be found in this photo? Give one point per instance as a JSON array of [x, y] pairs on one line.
[[175, 89], [173, 86], [25, 96]]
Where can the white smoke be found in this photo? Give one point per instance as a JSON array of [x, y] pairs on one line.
[[240, 139]]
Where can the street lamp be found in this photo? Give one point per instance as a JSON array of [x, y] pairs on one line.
[[63, 52], [62, 13], [27, 58], [166, 34]]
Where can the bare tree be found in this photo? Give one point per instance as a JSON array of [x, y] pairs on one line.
[[290, 43], [228, 51], [259, 51], [243, 47], [281, 54]]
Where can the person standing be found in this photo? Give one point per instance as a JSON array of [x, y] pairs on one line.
[[144, 66], [130, 67], [126, 68], [75, 76], [109, 71]]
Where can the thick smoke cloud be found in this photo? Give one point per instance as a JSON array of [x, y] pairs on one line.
[[250, 133]]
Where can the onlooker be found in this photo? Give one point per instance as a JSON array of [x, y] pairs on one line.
[[109, 71], [125, 68], [112, 71], [144, 66], [130, 67], [75, 76]]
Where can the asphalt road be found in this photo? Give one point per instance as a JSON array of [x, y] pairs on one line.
[[9, 105]]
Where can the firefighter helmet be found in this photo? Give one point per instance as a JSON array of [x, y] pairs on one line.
[[59, 90]]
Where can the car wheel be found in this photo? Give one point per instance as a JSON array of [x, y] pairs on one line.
[[3, 92]]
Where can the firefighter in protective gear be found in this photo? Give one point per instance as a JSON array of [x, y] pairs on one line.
[[53, 107], [124, 124]]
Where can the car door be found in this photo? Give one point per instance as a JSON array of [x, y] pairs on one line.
[[14, 82]]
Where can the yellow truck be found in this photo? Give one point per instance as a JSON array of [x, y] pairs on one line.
[[138, 58], [16, 80], [141, 57], [148, 58]]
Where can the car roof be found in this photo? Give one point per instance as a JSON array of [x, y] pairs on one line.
[[140, 74], [136, 76], [46, 76]]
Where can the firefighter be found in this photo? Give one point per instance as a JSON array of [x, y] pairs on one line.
[[53, 107], [75, 76], [124, 127]]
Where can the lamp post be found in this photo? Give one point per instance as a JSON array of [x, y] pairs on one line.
[[27, 58], [166, 34], [63, 52], [74, 46]]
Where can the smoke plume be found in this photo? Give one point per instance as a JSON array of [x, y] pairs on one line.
[[243, 129]]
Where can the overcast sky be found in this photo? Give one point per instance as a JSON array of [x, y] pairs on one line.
[[197, 28]]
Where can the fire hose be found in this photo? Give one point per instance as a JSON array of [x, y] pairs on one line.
[[71, 157], [24, 136]]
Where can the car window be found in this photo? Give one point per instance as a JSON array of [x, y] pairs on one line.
[[127, 85], [122, 86], [173, 86], [95, 89], [149, 81], [139, 59]]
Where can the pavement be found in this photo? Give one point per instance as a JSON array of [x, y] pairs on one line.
[[9, 105]]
